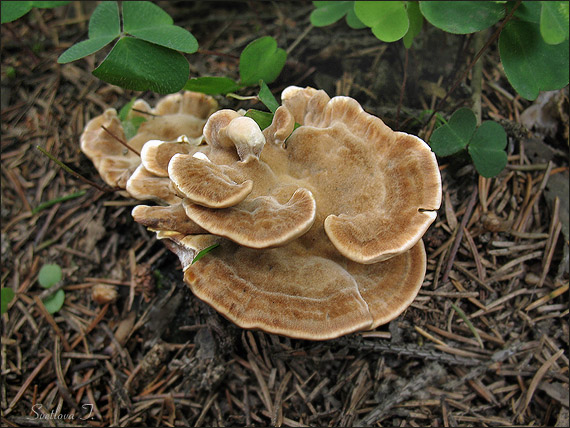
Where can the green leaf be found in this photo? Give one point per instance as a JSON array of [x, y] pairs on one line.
[[262, 118], [143, 14], [138, 65], [261, 60], [527, 11], [352, 20], [455, 135], [54, 302], [172, 37], [7, 296], [126, 109], [329, 12], [50, 274], [267, 98], [416, 20], [83, 49], [462, 17], [211, 85], [554, 21], [203, 252], [487, 149], [532, 65], [132, 125], [147, 21], [104, 21], [388, 20], [12, 10], [104, 27]]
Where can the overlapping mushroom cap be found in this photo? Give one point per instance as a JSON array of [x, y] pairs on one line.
[[318, 228], [175, 115]]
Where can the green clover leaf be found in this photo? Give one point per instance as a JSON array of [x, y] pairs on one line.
[[54, 302], [12, 10], [261, 60], [454, 136], [139, 65], [50, 274], [485, 144], [146, 21], [388, 20], [104, 27], [487, 149]]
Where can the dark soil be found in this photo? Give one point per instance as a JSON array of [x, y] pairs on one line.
[[159, 357]]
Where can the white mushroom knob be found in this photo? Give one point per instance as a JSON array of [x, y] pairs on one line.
[[247, 137]]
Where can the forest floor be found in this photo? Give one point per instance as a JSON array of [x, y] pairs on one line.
[[157, 356]]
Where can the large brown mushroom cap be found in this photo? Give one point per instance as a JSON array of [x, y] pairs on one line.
[[318, 229], [378, 190], [297, 292]]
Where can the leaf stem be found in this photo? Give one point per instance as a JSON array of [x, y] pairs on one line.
[[241, 97]]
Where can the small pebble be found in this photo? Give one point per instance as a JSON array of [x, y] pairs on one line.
[[104, 293]]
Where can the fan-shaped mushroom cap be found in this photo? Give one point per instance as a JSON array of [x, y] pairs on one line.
[[295, 292], [170, 218], [261, 222], [206, 183], [156, 154], [114, 161], [319, 233], [144, 185], [175, 115], [380, 189]]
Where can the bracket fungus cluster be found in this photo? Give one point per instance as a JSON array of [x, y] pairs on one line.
[[318, 226]]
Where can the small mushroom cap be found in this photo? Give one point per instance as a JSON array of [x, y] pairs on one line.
[[144, 185], [247, 137], [174, 115], [156, 154], [189, 103], [281, 127], [261, 222], [206, 183], [169, 218], [114, 161], [213, 129], [228, 130]]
